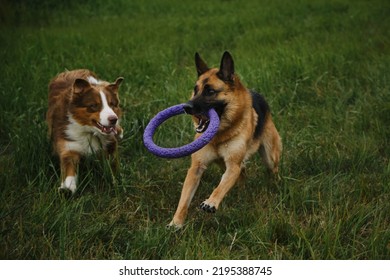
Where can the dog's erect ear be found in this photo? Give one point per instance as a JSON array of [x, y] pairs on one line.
[[115, 86], [80, 85], [201, 66], [226, 70]]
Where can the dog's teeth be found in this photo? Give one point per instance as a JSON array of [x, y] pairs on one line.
[[202, 125]]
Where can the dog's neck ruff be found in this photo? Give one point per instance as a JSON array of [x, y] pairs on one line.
[[85, 139]]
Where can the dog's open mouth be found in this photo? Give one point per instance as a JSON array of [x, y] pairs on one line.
[[106, 129], [203, 123]]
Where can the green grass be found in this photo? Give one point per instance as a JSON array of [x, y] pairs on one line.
[[324, 67]]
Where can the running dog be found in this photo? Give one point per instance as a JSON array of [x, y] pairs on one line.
[[246, 127], [83, 119]]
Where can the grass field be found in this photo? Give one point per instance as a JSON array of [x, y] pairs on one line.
[[323, 66]]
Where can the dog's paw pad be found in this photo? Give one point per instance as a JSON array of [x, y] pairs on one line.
[[207, 208]]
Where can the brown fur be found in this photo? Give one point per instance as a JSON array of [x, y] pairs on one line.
[[77, 94], [234, 142]]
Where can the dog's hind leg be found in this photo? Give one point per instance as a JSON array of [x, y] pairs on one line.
[[271, 147]]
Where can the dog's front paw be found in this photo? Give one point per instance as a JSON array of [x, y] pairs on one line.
[[69, 185], [65, 193], [208, 207], [174, 225]]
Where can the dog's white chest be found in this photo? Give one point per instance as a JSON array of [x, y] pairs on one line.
[[87, 144], [83, 139]]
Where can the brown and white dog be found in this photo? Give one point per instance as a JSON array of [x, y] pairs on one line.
[[246, 127], [83, 119]]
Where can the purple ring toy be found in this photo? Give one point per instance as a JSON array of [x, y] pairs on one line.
[[185, 150]]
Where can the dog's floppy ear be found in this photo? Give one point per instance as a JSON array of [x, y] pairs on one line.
[[80, 85], [226, 70], [201, 66], [115, 86]]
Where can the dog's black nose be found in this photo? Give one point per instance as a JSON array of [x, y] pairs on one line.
[[112, 120], [188, 107]]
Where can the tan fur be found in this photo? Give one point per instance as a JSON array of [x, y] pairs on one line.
[[234, 143]]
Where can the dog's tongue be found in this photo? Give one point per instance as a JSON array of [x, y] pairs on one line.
[[108, 129]]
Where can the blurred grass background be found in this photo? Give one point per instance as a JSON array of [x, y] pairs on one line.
[[322, 65]]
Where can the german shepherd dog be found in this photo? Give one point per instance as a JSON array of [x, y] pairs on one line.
[[246, 126]]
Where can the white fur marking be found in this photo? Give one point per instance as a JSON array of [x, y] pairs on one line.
[[85, 139], [106, 111], [69, 183], [93, 80]]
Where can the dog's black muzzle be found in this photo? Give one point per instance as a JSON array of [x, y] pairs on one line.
[[198, 107], [200, 113], [189, 107]]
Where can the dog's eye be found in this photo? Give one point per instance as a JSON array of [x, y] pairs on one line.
[[93, 107], [209, 90]]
